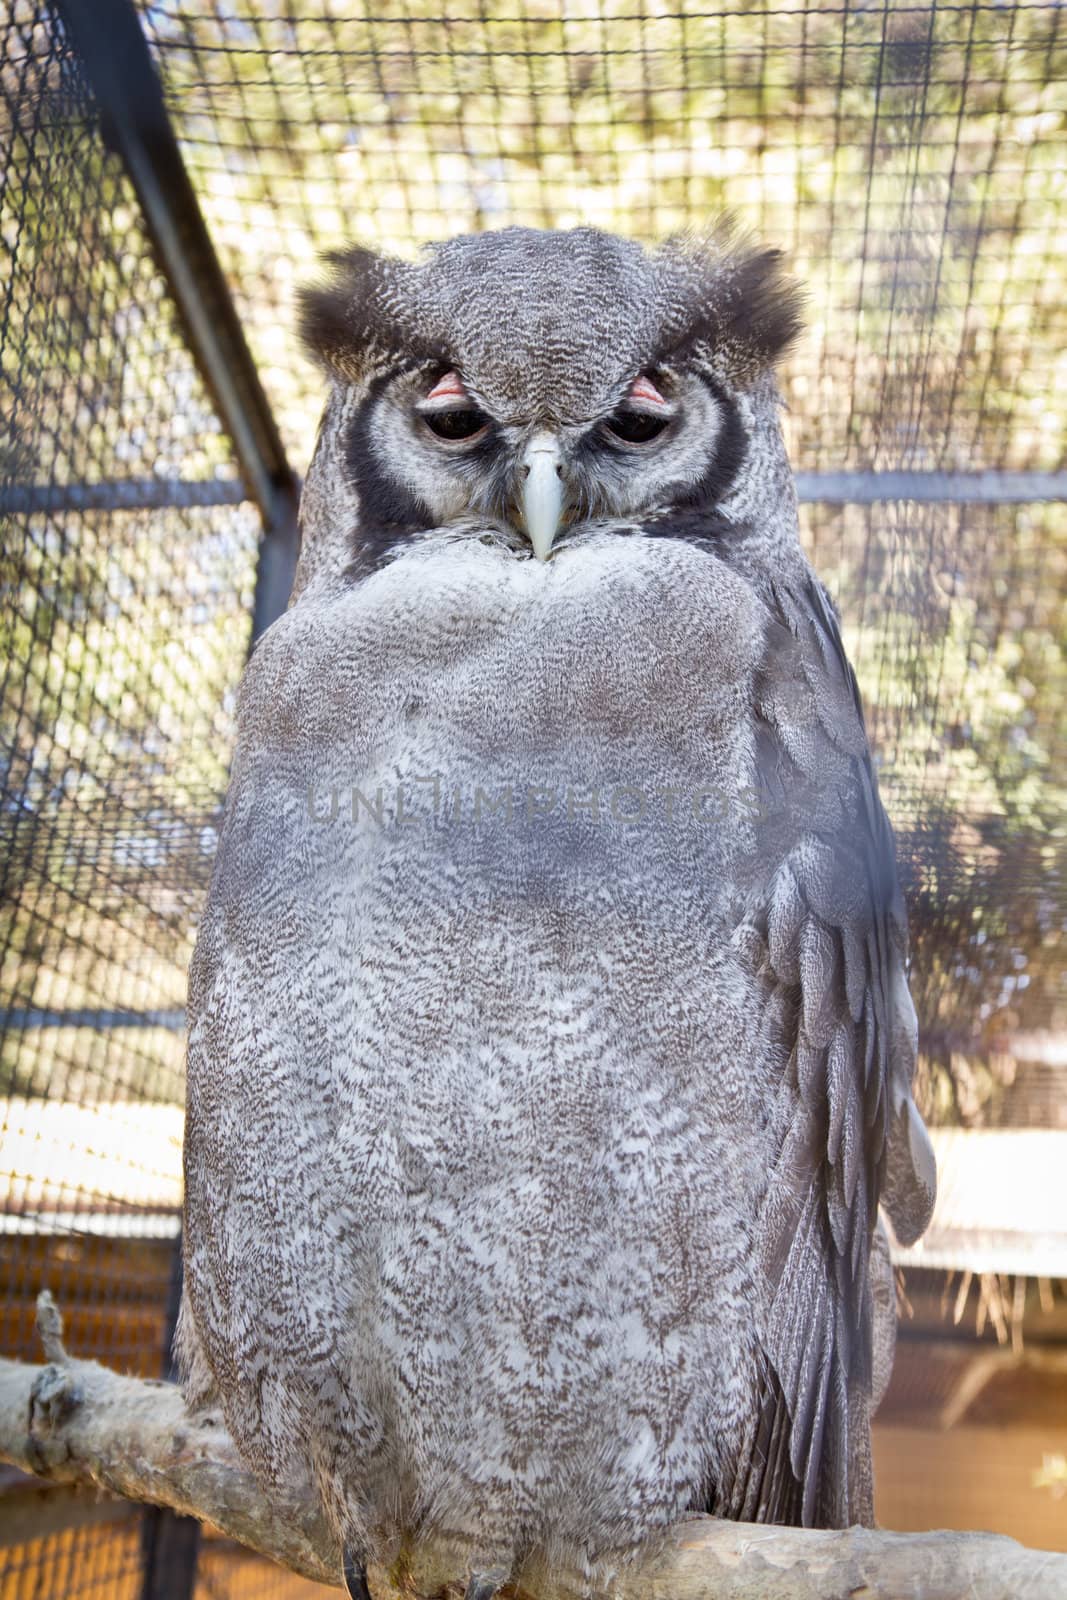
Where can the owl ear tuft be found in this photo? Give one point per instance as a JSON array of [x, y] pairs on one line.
[[761, 313], [355, 320], [332, 314], [744, 310]]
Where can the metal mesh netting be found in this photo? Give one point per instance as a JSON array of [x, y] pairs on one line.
[[105, 1562], [909, 160], [124, 621], [225, 1571], [956, 617], [92, 1563], [906, 156], [124, 633]]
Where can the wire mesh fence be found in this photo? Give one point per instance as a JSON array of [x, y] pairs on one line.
[[93, 1563], [123, 635], [124, 626], [909, 160], [906, 156]]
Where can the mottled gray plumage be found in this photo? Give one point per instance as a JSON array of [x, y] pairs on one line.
[[550, 1040]]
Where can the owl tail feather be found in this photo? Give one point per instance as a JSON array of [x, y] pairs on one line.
[[355, 1578]]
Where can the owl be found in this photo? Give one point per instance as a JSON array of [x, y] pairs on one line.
[[550, 1043]]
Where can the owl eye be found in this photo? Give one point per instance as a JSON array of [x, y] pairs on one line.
[[457, 424], [636, 427]]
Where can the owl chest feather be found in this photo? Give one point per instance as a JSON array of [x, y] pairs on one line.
[[479, 872], [463, 691]]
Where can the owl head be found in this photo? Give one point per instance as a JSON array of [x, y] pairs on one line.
[[536, 383]]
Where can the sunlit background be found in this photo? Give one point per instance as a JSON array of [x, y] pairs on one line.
[[911, 160]]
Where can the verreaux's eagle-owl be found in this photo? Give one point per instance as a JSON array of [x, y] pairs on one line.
[[550, 1040]]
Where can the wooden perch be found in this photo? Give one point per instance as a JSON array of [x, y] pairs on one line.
[[76, 1422]]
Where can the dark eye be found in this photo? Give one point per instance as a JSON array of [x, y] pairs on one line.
[[456, 424], [636, 427]]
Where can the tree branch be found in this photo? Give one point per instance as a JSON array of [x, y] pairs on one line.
[[76, 1422]]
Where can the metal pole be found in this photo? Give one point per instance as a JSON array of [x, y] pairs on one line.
[[813, 488], [118, 65], [170, 1544], [126, 494], [24, 1019], [930, 487]]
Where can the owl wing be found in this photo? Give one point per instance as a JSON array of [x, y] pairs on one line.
[[829, 937]]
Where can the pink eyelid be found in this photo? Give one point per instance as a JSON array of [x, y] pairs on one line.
[[448, 388], [643, 388]]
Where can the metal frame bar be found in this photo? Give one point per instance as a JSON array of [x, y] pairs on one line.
[[114, 53], [170, 1544], [129, 494], [813, 488], [951, 488], [23, 1019]]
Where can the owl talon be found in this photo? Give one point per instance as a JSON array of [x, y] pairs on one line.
[[484, 1585], [356, 1578]]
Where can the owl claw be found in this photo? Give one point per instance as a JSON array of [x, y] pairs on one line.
[[484, 1585], [356, 1578]]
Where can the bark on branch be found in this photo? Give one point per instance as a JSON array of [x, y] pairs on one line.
[[76, 1422]]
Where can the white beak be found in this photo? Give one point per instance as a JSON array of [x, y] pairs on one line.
[[542, 492]]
